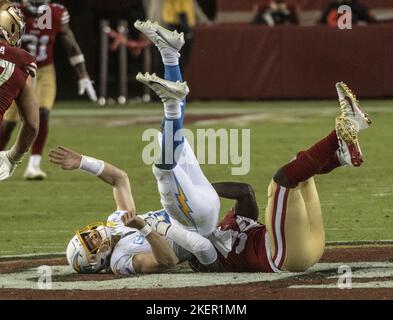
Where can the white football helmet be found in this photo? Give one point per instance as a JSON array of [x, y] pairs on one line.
[[84, 257]]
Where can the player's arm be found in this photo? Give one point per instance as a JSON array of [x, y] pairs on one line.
[[162, 256], [77, 60], [28, 109], [243, 193], [70, 160]]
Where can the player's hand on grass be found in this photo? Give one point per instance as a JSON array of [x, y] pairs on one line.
[[86, 86], [132, 220], [65, 158]]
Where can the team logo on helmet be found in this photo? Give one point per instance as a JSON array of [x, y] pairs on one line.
[[12, 24], [89, 250]]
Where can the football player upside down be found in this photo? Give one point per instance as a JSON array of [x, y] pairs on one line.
[[293, 238], [127, 243], [39, 41]]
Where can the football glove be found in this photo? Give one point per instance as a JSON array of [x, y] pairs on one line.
[[157, 225], [7, 165], [86, 86]]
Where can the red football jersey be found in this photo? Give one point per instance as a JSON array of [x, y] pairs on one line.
[[250, 251], [40, 36], [15, 66]]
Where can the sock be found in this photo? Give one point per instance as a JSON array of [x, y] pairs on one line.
[[319, 158], [173, 120], [173, 73], [331, 164], [34, 161], [172, 109], [172, 141], [193, 242], [39, 143], [170, 57]]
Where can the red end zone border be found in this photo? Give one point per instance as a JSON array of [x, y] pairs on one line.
[[371, 267]]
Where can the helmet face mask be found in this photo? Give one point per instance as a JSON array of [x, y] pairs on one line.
[[89, 250], [12, 24]]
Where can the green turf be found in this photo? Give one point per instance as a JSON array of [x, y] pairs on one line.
[[42, 216]]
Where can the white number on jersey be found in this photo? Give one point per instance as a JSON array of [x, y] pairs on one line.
[[6, 70], [244, 225], [37, 46]]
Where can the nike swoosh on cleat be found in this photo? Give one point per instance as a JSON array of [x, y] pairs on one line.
[[167, 41], [163, 86]]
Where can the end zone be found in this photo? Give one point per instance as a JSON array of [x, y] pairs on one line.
[[371, 277]]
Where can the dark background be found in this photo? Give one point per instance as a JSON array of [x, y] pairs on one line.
[[85, 18]]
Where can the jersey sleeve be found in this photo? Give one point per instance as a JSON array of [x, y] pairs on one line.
[[117, 226], [65, 17], [60, 14], [26, 62]]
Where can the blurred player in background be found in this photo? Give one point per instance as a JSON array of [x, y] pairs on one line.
[[16, 68], [45, 23], [277, 12], [294, 236]]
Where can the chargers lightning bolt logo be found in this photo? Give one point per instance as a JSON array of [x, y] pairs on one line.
[[183, 203]]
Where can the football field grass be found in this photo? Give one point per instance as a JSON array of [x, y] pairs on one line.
[[40, 217]]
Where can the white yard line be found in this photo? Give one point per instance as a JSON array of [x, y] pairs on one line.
[[328, 244], [205, 111]]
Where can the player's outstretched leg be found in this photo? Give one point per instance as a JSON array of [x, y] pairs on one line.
[[171, 95], [33, 169], [169, 43], [293, 215], [186, 195]]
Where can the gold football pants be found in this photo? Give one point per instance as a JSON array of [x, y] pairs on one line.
[[294, 223]]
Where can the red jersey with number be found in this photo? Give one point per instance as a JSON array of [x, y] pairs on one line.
[[41, 32], [15, 66], [250, 249]]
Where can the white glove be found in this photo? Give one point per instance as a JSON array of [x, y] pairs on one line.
[[86, 85], [7, 167], [156, 224]]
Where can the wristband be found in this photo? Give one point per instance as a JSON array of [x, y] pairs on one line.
[[92, 165], [80, 58], [146, 230]]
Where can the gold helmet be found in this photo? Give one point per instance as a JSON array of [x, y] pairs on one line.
[[12, 24]]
